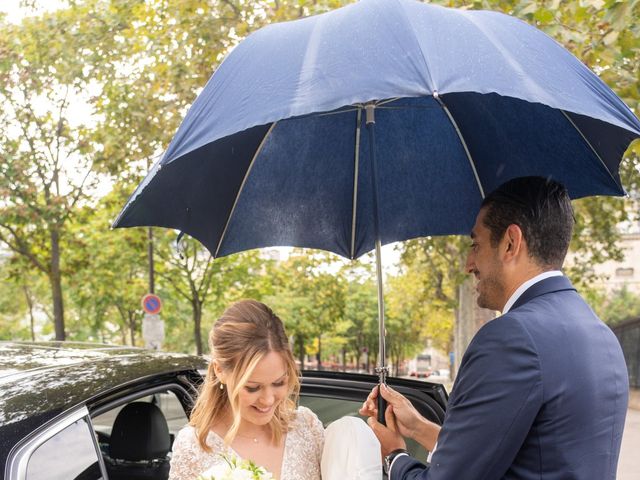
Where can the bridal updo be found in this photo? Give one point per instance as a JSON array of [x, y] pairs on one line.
[[245, 333]]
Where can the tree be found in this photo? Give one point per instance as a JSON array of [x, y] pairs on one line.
[[620, 305], [360, 321], [189, 270], [50, 162], [308, 298], [108, 273]]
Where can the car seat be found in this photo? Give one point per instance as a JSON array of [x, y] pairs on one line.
[[139, 444]]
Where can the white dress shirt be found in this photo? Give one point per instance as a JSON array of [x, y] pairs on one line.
[[521, 289]]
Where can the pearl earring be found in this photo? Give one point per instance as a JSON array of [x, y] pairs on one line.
[[221, 386]]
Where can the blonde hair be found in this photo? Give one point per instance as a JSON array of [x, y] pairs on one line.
[[245, 333]]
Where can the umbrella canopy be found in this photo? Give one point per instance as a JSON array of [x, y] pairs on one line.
[[274, 151]]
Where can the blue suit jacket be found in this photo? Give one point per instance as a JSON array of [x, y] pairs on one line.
[[541, 393]]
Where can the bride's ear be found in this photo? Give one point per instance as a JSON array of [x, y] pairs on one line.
[[218, 371]]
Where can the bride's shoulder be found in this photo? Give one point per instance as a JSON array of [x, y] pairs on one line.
[[188, 436], [305, 418], [305, 414]]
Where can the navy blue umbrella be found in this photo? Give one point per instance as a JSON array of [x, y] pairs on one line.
[[279, 147]]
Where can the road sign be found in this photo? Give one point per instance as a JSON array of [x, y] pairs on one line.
[[151, 304]]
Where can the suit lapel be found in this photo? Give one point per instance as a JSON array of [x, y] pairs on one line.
[[548, 285]]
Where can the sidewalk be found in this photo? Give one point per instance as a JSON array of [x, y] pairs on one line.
[[629, 462]]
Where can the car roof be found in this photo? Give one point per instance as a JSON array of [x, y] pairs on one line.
[[19, 358], [39, 380]]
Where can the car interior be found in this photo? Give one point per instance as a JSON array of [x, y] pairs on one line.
[[135, 437]]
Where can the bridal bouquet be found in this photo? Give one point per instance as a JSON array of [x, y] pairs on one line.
[[234, 468]]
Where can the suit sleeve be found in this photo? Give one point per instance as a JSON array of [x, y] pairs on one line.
[[492, 407]]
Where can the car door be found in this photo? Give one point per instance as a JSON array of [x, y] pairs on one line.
[[332, 395], [64, 448]]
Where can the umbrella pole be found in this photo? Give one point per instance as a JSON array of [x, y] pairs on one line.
[[382, 370]]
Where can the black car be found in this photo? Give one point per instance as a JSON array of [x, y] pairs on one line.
[[86, 411]]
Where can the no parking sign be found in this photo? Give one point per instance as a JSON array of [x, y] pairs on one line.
[[151, 304]]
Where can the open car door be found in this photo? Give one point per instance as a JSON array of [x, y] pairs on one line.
[[332, 395]]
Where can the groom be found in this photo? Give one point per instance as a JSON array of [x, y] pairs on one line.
[[542, 390]]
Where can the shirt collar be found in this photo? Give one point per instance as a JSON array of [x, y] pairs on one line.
[[522, 288]]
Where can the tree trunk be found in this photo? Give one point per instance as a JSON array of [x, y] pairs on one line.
[[55, 279], [469, 319], [319, 354], [301, 351], [196, 308], [132, 327], [27, 295]]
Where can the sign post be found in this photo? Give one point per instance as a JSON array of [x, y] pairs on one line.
[[152, 325]]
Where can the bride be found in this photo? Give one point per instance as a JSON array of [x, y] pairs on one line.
[[247, 404]]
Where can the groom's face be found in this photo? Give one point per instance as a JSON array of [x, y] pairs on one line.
[[266, 388], [483, 261]]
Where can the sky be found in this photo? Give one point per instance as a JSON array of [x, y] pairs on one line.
[[15, 12]]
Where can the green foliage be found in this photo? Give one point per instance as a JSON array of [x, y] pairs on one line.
[[190, 274], [618, 306], [307, 297], [109, 274]]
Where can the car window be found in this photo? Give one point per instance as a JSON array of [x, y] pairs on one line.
[[69, 454], [330, 409], [136, 437], [168, 403]]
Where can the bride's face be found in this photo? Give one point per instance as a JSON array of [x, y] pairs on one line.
[[266, 388]]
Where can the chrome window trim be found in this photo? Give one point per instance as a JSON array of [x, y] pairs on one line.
[[19, 457]]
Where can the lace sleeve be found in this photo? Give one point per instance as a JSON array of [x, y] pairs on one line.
[[188, 460], [315, 430]]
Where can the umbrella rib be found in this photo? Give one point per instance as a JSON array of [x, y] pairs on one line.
[[355, 184], [244, 181], [591, 147], [461, 138]]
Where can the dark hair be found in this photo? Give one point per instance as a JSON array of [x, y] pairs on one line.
[[541, 207]]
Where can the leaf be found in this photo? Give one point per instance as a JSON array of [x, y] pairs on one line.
[[543, 15]]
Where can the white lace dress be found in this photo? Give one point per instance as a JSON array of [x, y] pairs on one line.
[[300, 461]]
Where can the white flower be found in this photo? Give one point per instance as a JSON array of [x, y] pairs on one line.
[[234, 468]]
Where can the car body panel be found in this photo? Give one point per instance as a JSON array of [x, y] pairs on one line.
[[35, 390]]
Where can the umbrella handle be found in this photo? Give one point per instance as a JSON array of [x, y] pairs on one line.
[[382, 407]]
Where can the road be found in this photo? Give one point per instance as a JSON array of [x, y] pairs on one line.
[[629, 463]]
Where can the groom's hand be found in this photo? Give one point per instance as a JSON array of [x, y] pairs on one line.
[[388, 435], [406, 416]]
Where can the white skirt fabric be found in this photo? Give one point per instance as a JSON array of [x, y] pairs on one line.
[[351, 451]]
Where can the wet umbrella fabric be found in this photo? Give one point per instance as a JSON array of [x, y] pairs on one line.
[[274, 151]]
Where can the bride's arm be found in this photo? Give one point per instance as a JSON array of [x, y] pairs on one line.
[[316, 431]]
